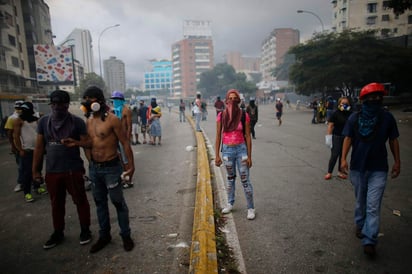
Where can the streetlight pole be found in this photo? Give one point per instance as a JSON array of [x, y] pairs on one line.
[[314, 14], [98, 45]]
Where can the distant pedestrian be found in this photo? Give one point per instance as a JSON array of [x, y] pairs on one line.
[[233, 137], [334, 137], [330, 106], [105, 168], [279, 110], [143, 119], [182, 109], [197, 111], [135, 126], [61, 133], [219, 105], [154, 121], [367, 132], [252, 110], [314, 106]]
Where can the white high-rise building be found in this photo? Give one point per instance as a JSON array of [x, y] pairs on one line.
[[370, 15], [83, 52], [114, 74]]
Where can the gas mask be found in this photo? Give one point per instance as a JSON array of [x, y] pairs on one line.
[[88, 107]]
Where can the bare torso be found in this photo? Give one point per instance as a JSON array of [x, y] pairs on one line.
[[104, 138]]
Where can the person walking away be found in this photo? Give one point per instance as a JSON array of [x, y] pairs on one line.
[[334, 137], [233, 137], [9, 129], [314, 105], [61, 134], [219, 105], [155, 127], [182, 108], [105, 167], [143, 119], [135, 126], [24, 134], [125, 116], [197, 111], [252, 110], [367, 132], [279, 110]]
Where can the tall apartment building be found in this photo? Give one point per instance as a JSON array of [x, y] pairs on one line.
[[22, 24], [159, 79], [274, 48], [192, 56], [370, 15], [81, 40], [114, 74]]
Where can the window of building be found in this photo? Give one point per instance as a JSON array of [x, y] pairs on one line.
[[385, 5], [12, 40], [410, 19], [371, 20], [8, 18], [22, 64], [371, 7], [15, 61], [385, 17]]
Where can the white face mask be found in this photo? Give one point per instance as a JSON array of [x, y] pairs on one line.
[[344, 107]]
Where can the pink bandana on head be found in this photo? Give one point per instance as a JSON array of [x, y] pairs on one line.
[[232, 114]]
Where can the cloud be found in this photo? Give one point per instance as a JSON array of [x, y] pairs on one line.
[[149, 28]]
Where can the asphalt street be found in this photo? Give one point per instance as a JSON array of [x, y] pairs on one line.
[[303, 223]]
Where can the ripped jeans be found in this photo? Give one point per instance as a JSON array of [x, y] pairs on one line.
[[106, 181], [236, 157]]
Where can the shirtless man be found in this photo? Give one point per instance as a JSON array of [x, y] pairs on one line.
[[125, 115], [105, 169]]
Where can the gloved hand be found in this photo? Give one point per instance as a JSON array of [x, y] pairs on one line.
[[328, 140]]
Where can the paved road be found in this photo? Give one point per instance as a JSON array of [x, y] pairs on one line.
[[304, 224], [161, 216]]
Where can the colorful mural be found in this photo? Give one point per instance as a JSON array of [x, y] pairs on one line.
[[53, 65]]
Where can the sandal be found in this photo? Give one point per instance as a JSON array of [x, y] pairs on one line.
[[328, 176], [342, 176]]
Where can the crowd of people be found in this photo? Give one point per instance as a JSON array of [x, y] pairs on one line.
[[108, 132]]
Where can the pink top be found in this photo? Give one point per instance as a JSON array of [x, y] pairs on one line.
[[234, 137]]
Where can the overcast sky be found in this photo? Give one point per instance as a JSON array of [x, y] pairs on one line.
[[148, 28]]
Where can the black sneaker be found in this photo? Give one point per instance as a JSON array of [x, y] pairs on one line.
[[85, 237], [128, 243], [100, 244], [55, 239]]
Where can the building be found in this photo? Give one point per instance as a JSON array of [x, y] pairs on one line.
[[81, 40], [274, 48], [370, 15], [114, 74], [192, 56], [158, 80]]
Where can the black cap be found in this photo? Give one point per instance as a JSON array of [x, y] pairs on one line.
[[94, 92], [60, 97]]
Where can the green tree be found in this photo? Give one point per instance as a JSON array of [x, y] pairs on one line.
[[92, 79], [281, 72], [222, 78], [346, 61], [400, 6]]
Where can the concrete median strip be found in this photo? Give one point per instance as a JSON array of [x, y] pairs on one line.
[[203, 258]]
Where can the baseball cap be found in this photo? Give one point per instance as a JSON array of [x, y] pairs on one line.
[[60, 97], [17, 104]]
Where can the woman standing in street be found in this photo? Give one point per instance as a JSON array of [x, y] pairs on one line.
[[334, 137], [233, 134]]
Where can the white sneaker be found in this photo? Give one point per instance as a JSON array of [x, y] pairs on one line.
[[227, 209], [18, 188], [251, 214]]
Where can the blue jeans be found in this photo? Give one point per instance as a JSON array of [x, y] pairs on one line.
[[236, 156], [369, 187], [106, 180], [198, 117]]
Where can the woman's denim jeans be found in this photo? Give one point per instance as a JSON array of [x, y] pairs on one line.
[[106, 181], [236, 156], [369, 187], [198, 118]]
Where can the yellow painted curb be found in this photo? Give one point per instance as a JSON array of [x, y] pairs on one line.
[[203, 258]]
